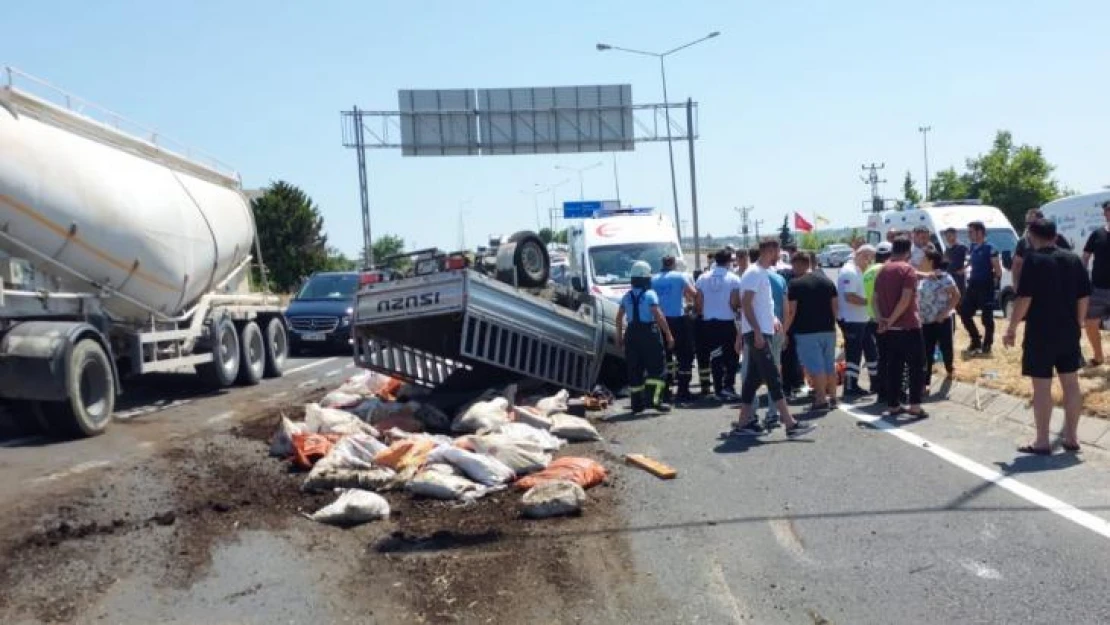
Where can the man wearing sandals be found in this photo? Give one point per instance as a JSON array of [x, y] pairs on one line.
[[1098, 248], [900, 326], [1052, 299]]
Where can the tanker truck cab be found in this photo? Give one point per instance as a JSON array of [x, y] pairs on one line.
[[319, 316], [941, 215], [602, 251]]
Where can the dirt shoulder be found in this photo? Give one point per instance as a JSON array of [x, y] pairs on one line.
[[210, 529]]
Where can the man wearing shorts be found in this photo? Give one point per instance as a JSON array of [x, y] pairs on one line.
[[1098, 247], [1052, 299], [811, 311]]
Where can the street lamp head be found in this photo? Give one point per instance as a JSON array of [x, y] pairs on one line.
[[713, 34], [603, 46]]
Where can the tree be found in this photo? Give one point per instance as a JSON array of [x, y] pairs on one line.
[[810, 241], [910, 194], [386, 246], [338, 261], [547, 235], [786, 236], [1012, 177], [949, 185], [290, 235]]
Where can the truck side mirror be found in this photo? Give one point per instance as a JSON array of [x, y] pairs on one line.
[[1007, 259], [577, 284]]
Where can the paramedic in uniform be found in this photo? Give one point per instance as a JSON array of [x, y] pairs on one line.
[[717, 303], [674, 289], [643, 346]]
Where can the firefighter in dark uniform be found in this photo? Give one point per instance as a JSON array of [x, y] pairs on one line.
[[643, 341], [675, 289]]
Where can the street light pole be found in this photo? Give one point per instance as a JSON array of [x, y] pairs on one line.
[[924, 130], [579, 171], [666, 108]]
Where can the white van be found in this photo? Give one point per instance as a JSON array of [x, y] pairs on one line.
[[1077, 216], [939, 216], [603, 249]]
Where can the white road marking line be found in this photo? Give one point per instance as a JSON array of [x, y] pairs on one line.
[[74, 470], [309, 382], [728, 598], [223, 416], [787, 536], [1084, 519], [333, 372], [310, 365], [25, 440], [157, 406]]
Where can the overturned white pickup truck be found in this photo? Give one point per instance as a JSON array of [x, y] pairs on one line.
[[469, 321]]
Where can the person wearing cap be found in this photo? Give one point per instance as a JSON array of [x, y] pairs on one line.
[[717, 302], [674, 289], [643, 346], [854, 320]]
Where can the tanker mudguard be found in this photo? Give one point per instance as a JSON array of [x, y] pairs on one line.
[[34, 356]]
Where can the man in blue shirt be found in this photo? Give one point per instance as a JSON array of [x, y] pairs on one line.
[[980, 293], [675, 290], [643, 347]]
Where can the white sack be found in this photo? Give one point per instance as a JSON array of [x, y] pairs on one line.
[[483, 415], [555, 403], [524, 432], [281, 445], [483, 469], [322, 420], [328, 478], [439, 485], [353, 507], [555, 498], [523, 457], [533, 417], [573, 429]]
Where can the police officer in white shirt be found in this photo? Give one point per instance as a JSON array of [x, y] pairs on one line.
[[717, 303]]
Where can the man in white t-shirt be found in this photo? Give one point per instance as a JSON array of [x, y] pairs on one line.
[[854, 318], [758, 326], [921, 236], [717, 302]]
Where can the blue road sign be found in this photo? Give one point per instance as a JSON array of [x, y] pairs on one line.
[[588, 209]]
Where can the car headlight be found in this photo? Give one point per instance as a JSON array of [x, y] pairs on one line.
[[345, 321]]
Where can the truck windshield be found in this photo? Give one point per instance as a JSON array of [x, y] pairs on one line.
[[330, 287], [612, 264]]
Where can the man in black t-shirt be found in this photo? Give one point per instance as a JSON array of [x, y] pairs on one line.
[[955, 255], [1052, 300], [1024, 247], [1098, 246], [811, 312]]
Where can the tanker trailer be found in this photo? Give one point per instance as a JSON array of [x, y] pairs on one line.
[[120, 256]]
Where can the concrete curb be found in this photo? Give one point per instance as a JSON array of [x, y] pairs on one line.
[[996, 404]]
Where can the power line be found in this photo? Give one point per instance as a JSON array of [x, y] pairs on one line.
[[873, 181], [745, 212]]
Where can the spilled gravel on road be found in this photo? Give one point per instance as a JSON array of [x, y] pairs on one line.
[[212, 529]]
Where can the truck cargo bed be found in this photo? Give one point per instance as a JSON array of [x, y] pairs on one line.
[[425, 328]]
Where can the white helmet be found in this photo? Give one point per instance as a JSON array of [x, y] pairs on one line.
[[641, 269]]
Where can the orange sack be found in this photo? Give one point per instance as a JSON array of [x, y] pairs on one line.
[[308, 448], [390, 389], [581, 471], [407, 452]]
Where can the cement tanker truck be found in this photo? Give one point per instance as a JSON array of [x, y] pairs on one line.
[[121, 254]]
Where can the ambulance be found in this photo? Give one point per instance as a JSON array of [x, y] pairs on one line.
[[602, 250], [1077, 216], [941, 215]]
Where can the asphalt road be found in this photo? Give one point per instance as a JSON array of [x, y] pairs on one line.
[[937, 521], [149, 411]]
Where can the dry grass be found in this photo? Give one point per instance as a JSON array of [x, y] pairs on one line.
[[1001, 370]]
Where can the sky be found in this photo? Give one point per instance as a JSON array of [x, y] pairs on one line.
[[793, 97]]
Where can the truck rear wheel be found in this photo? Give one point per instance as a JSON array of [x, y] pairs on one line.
[[277, 348], [224, 368], [530, 260], [252, 354], [90, 390]]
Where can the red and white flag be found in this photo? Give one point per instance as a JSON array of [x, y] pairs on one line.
[[801, 224]]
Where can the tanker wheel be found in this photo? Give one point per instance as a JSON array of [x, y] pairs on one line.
[[277, 348], [252, 354], [531, 260], [90, 390], [224, 368]]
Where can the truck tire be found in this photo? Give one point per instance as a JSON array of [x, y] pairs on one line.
[[90, 390], [224, 368], [252, 354], [530, 260], [277, 348]]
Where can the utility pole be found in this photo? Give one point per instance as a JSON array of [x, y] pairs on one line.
[[873, 181], [755, 223], [924, 130], [744, 211]]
